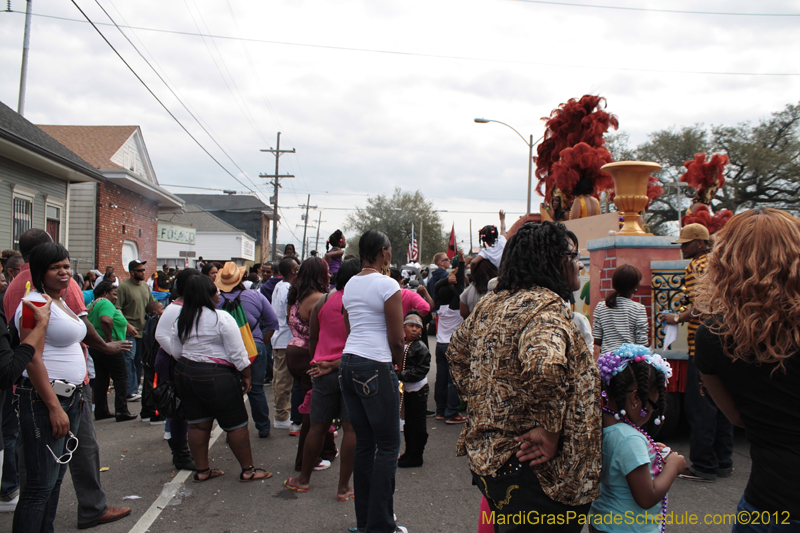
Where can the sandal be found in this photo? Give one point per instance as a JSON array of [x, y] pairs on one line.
[[212, 473], [291, 486], [345, 497], [255, 474]]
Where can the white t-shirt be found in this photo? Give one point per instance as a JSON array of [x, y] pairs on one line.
[[494, 253], [62, 356], [449, 320], [364, 298], [99, 280], [215, 337], [280, 296]]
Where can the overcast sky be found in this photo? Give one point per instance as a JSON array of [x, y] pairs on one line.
[[378, 94]]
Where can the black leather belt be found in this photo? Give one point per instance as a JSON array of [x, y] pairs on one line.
[[26, 383]]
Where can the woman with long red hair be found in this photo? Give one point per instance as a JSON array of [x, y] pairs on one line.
[[747, 353]]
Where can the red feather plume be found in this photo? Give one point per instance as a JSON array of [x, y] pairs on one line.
[[579, 161], [702, 175], [702, 215]]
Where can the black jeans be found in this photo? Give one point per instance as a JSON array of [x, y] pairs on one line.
[[110, 366], [372, 397], [444, 393], [148, 400], [711, 441], [518, 502], [415, 430]]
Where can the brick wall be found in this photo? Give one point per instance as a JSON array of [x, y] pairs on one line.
[[135, 219]]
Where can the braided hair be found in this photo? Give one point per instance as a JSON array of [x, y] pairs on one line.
[[641, 377], [334, 240], [488, 234], [534, 256]]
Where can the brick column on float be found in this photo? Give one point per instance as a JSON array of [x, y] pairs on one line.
[[608, 253], [134, 219]]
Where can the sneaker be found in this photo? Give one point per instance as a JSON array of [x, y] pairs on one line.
[[294, 430], [430, 414], [9, 506], [458, 419], [263, 434], [439, 417], [282, 424], [690, 475], [134, 397], [324, 464], [724, 472], [158, 420], [401, 529]]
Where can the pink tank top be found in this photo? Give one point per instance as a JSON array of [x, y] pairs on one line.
[[299, 327], [332, 331]]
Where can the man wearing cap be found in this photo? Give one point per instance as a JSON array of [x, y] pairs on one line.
[[162, 280], [711, 441], [259, 314], [133, 296]]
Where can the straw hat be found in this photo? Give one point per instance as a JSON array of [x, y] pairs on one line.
[[229, 276]]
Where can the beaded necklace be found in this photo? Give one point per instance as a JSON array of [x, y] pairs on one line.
[[659, 460]]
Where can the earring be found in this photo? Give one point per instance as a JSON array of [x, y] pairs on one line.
[[642, 413]]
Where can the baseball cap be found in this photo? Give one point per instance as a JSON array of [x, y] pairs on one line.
[[692, 232], [135, 263]]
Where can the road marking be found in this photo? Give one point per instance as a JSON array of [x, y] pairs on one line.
[[169, 490]]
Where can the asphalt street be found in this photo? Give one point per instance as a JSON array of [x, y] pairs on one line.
[[437, 497]]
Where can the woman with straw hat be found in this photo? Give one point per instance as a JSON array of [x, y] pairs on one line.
[[260, 315]]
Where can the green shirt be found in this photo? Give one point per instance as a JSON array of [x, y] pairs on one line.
[[132, 299], [103, 307]]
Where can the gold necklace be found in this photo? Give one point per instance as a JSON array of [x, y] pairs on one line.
[[370, 268]]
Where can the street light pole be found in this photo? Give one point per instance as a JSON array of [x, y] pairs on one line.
[[530, 154]]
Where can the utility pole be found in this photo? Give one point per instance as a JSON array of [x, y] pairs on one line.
[[470, 236], [319, 223], [276, 184], [305, 225], [26, 44]]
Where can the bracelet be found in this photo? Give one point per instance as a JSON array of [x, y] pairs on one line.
[[678, 318]]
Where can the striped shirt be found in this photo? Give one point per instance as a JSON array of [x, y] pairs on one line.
[[627, 322], [694, 270]]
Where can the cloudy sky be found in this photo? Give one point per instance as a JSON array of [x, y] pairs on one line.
[[381, 94]]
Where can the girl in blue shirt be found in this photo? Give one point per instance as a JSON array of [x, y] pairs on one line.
[[637, 471]]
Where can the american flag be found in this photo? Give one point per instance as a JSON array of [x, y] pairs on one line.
[[413, 251]]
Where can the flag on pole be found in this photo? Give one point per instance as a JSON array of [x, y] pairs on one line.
[[451, 247], [413, 252]]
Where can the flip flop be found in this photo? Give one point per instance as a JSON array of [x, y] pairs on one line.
[[346, 498], [255, 476], [289, 485], [212, 473]]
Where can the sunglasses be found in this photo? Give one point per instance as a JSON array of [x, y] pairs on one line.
[[69, 447], [140, 270]]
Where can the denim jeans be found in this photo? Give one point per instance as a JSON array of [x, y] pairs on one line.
[[10, 432], [130, 360], [764, 522], [84, 468], [258, 401], [711, 440], [372, 398], [38, 499], [445, 393]]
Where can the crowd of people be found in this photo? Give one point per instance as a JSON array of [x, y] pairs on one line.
[[555, 410]]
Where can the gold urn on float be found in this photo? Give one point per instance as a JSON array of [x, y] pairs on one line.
[[630, 184]]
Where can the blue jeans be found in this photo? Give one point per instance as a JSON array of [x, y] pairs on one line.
[[445, 393], [130, 364], [38, 500], [711, 440], [766, 522], [372, 398], [258, 401]]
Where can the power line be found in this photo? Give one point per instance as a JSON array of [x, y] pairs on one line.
[[173, 93], [460, 58], [653, 10], [159, 100]]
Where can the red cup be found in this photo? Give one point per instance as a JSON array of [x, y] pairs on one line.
[[28, 319]]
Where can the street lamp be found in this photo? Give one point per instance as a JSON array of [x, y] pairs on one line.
[[530, 153]]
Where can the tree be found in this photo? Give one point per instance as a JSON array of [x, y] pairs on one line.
[[671, 148], [765, 162], [394, 216]]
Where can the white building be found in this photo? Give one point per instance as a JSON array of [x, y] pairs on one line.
[[185, 237]]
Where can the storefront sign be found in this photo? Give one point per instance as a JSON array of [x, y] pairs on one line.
[[170, 233]]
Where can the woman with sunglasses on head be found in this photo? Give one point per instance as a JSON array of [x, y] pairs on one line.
[[534, 423], [48, 394]]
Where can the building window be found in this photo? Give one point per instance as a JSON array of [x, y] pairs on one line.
[[23, 218], [53, 220]]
